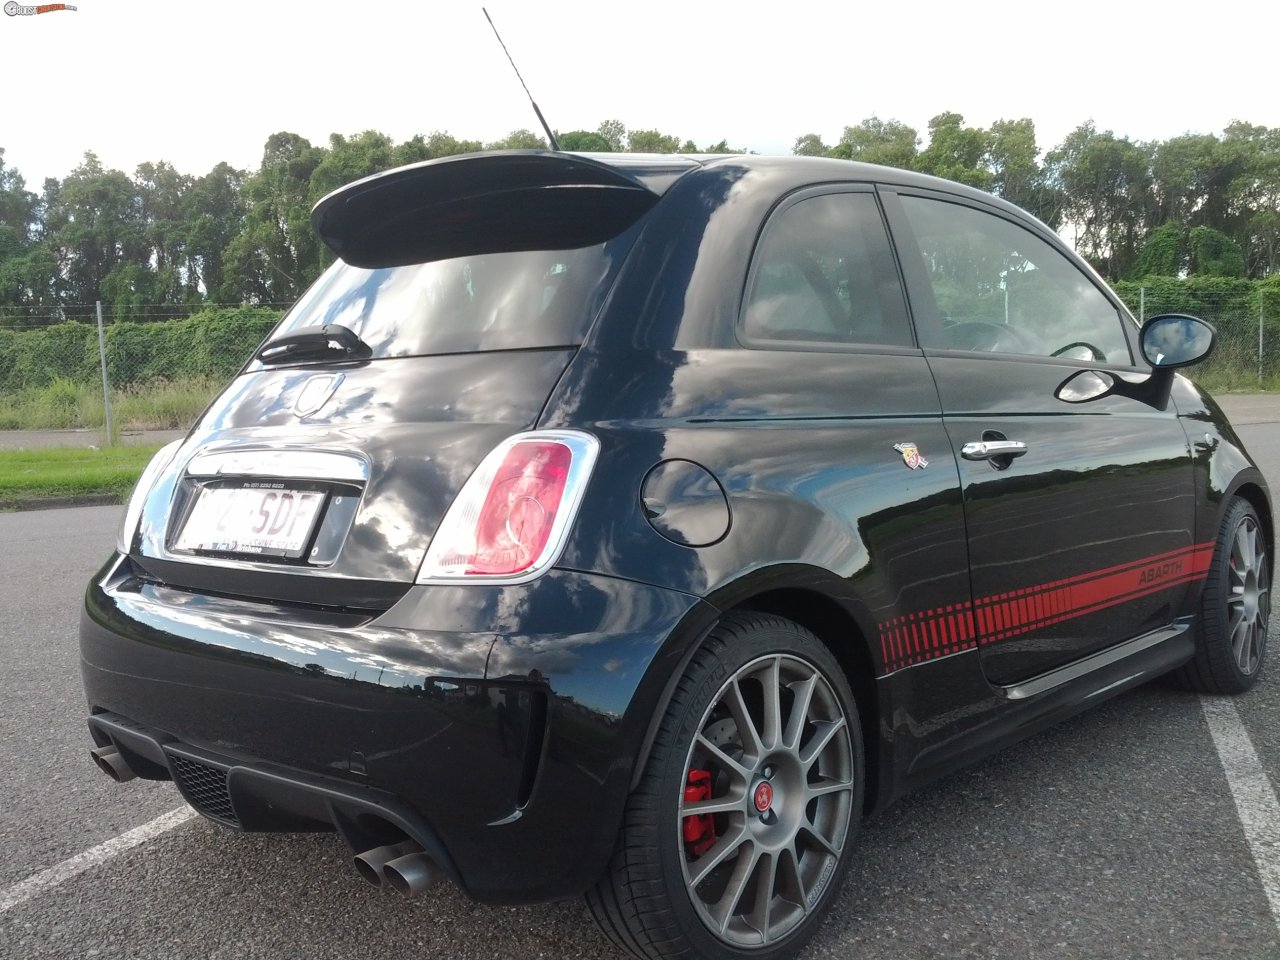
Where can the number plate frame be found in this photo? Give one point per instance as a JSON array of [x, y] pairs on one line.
[[246, 520]]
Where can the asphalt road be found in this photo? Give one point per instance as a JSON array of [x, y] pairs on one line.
[[1111, 836]]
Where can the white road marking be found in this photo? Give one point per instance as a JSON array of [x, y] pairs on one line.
[[1255, 798], [33, 886]]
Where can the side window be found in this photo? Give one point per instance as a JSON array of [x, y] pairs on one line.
[[823, 272], [1001, 288]]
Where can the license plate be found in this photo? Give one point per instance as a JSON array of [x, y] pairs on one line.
[[266, 520]]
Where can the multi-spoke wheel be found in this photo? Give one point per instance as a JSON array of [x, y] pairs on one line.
[[748, 805], [1232, 645]]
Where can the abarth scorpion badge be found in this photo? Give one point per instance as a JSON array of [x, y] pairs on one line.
[[911, 455]]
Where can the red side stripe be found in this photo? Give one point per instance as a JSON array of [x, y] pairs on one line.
[[917, 637]]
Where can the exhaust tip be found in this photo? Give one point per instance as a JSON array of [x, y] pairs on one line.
[[411, 874], [370, 863], [110, 762]]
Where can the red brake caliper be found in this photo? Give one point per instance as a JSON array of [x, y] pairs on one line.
[[699, 828]]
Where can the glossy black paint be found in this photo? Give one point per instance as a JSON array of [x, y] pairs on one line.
[[513, 720], [432, 702], [421, 423]]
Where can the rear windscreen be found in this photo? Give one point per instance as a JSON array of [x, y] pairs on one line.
[[496, 301]]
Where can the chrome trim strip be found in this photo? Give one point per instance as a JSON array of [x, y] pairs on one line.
[[286, 464], [1105, 658]]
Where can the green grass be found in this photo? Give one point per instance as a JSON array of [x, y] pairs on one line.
[[65, 404], [70, 472]]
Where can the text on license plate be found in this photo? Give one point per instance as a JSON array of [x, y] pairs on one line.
[[263, 520]]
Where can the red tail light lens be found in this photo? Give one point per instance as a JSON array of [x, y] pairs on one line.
[[517, 516], [512, 516]]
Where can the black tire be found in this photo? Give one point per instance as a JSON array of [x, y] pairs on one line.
[[725, 735], [1231, 646]]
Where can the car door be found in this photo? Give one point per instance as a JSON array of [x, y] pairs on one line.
[[1079, 515]]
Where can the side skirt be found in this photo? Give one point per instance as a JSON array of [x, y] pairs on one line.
[[942, 723]]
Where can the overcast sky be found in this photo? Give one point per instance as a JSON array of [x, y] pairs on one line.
[[194, 82]]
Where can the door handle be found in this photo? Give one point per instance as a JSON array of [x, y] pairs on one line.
[[991, 449]]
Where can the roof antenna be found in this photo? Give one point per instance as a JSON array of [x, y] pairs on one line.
[[551, 137]]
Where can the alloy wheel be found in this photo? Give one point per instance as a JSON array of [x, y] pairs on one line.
[[765, 810], [1249, 600]]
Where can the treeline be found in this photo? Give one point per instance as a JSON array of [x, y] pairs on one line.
[[162, 243]]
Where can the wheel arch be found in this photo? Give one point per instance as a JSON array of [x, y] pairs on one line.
[[840, 633], [798, 594], [1256, 494]]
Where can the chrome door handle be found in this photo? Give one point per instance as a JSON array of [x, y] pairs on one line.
[[990, 449]]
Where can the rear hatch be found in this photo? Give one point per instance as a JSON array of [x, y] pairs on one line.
[[463, 290]]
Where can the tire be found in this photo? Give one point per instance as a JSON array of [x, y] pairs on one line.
[[1231, 647], [740, 786]]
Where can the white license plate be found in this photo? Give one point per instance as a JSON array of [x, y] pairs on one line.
[[259, 519]]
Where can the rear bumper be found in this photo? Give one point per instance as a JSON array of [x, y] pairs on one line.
[[496, 726]]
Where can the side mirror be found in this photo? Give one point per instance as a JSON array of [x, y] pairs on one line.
[[1168, 341], [1172, 340]]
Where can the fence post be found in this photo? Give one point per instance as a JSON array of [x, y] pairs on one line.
[[1142, 305], [106, 388]]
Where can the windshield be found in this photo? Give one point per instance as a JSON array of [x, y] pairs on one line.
[[494, 301]]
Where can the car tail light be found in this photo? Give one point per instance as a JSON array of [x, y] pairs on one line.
[[510, 521]]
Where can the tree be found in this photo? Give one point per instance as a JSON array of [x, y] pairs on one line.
[[31, 277], [1253, 196], [1213, 254], [521, 139], [1164, 254], [614, 133], [886, 142], [1106, 185], [584, 141], [1016, 173], [651, 141], [19, 209], [351, 159], [214, 214], [19, 220], [443, 144], [1191, 179], [162, 193], [956, 152], [93, 225], [720, 146], [810, 145], [276, 255]]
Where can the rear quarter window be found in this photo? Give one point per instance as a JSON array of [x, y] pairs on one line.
[[823, 273]]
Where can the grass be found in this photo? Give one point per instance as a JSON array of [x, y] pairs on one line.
[[65, 404], [70, 472]]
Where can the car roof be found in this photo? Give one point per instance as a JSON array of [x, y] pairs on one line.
[[581, 198]]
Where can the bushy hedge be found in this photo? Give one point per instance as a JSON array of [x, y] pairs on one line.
[[1234, 307], [1213, 298], [212, 343]]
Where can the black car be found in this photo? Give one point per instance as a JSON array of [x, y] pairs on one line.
[[635, 526]]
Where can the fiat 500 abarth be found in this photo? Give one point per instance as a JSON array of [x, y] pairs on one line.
[[635, 526]]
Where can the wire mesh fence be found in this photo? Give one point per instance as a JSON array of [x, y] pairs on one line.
[[151, 370], [136, 373], [1246, 316]]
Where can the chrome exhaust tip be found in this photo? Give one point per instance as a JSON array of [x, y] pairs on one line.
[[412, 873], [111, 763], [370, 863]]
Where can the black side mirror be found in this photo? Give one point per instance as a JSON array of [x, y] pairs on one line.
[[1168, 341], [1172, 340]]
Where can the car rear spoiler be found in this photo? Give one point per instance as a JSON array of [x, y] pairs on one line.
[[490, 203]]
